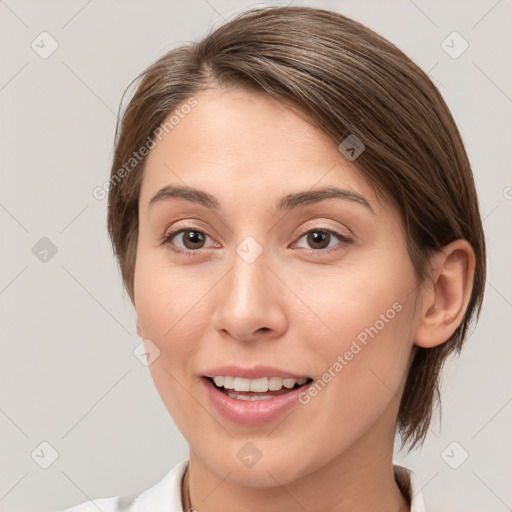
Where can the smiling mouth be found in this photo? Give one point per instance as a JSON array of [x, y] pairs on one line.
[[256, 389]]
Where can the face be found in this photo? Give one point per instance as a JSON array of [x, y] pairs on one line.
[[264, 277]]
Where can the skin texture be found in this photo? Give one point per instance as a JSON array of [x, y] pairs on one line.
[[210, 309]]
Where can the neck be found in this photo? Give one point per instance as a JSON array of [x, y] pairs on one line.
[[396, 502], [360, 479]]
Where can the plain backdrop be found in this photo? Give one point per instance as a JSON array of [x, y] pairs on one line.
[[69, 377]]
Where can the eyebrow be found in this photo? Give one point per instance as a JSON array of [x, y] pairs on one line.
[[287, 202]]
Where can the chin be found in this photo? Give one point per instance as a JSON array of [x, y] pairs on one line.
[[272, 469]]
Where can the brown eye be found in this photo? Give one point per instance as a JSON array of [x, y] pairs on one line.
[[191, 239], [319, 239]]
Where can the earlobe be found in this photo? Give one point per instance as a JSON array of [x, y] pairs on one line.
[[445, 300]]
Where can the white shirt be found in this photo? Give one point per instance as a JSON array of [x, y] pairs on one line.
[[165, 496]]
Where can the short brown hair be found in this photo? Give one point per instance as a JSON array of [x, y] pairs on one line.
[[348, 80]]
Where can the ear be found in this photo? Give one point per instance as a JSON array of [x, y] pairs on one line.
[[138, 328], [446, 297]]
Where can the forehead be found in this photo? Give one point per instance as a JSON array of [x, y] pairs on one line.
[[248, 144]]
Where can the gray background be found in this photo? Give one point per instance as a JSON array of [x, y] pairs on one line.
[[68, 373]]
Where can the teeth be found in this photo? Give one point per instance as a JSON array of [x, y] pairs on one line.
[[226, 382], [231, 394], [261, 385], [241, 384], [289, 383], [275, 383]]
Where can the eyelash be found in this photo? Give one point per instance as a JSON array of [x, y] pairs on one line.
[[166, 240]]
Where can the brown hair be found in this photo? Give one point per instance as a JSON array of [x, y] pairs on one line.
[[348, 80]]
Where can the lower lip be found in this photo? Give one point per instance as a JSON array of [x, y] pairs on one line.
[[253, 412]]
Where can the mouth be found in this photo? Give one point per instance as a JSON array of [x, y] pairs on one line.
[[263, 388], [253, 396]]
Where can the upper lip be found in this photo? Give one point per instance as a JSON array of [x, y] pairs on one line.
[[255, 372]]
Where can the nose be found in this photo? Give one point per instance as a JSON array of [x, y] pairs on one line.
[[249, 301]]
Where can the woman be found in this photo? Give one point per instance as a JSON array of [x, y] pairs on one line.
[[297, 226]]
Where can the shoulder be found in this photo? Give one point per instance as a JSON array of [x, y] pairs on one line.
[[409, 485], [165, 496]]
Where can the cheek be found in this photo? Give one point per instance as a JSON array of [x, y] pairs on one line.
[[165, 295], [171, 315], [171, 305], [173, 319], [362, 333], [354, 303]]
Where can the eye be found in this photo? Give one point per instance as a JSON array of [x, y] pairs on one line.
[[320, 239], [191, 240]]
